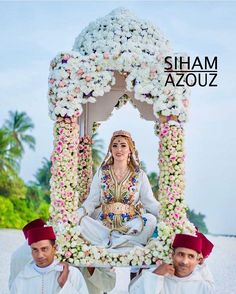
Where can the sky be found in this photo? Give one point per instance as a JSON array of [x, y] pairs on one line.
[[32, 33]]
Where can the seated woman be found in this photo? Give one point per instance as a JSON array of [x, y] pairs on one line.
[[129, 210]]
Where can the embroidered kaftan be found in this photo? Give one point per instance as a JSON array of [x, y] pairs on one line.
[[128, 209]]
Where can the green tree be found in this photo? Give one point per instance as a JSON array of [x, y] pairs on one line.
[[97, 151], [198, 220], [43, 174], [154, 181], [18, 126], [9, 153], [11, 185]]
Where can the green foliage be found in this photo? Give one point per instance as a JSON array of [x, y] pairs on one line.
[[18, 125], [43, 210], [19, 203], [9, 218], [26, 214], [97, 151], [11, 185], [43, 175], [9, 154], [34, 196], [154, 181], [198, 220]]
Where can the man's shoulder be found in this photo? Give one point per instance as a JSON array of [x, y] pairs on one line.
[[28, 271], [24, 249], [194, 276]]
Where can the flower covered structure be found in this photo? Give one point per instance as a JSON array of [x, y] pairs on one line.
[[121, 43], [136, 49]]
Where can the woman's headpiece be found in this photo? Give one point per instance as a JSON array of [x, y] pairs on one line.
[[121, 133]]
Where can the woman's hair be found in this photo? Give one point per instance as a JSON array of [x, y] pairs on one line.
[[134, 160]]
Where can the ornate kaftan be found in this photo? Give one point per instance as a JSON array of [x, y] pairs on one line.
[[128, 209]]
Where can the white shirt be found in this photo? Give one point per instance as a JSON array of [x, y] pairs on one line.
[[150, 283], [44, 281]]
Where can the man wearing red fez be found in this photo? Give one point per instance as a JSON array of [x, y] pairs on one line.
[[180, 277], [207, 247], [98, 280], [45, 275], [22, 255]]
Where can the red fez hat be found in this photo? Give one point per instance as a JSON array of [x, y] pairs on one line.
[[207, 246], [188, 241], [42, 233], [34, 224]]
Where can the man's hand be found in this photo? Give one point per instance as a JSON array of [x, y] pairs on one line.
[[63, 275], [164, 269]]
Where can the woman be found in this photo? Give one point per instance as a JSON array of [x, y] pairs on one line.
[[128, 207]]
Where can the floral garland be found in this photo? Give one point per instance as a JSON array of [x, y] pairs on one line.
[[173, 218], [85, 167], [64, 197], [80, 77]]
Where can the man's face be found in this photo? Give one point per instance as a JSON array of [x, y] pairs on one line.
[[184, 261], [43, 252]]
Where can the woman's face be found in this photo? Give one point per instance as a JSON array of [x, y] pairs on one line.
[[120, 149]]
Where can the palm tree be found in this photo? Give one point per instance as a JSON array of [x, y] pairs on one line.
[[9, 153], [97, 151], [154, 181], [18, 126], [43, 175]]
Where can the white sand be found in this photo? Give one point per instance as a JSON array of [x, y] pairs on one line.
[[222, 263]]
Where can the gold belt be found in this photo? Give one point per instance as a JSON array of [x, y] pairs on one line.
[[118, 208]]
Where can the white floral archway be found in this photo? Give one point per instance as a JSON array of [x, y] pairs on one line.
[[118, 46]]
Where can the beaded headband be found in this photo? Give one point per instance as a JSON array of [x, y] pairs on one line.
[[121, 133]]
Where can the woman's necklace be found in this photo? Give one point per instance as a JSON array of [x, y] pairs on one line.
[[120, 174]]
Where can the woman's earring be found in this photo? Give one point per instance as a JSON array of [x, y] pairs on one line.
[[128, 158]]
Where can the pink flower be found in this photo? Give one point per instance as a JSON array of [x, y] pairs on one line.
[[77, 90], [106, 55], [173, 157], [51, 81], [176, 215], [68, 254], [59, 149], [66, 57], [77, 114], [61, 131], [88, 78], [80, 72], [62, 84]]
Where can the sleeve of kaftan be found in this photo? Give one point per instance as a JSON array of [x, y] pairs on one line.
[[103, 279], [147, 283], [146, 195], [75, 283], [16, 287], [94, 198]]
